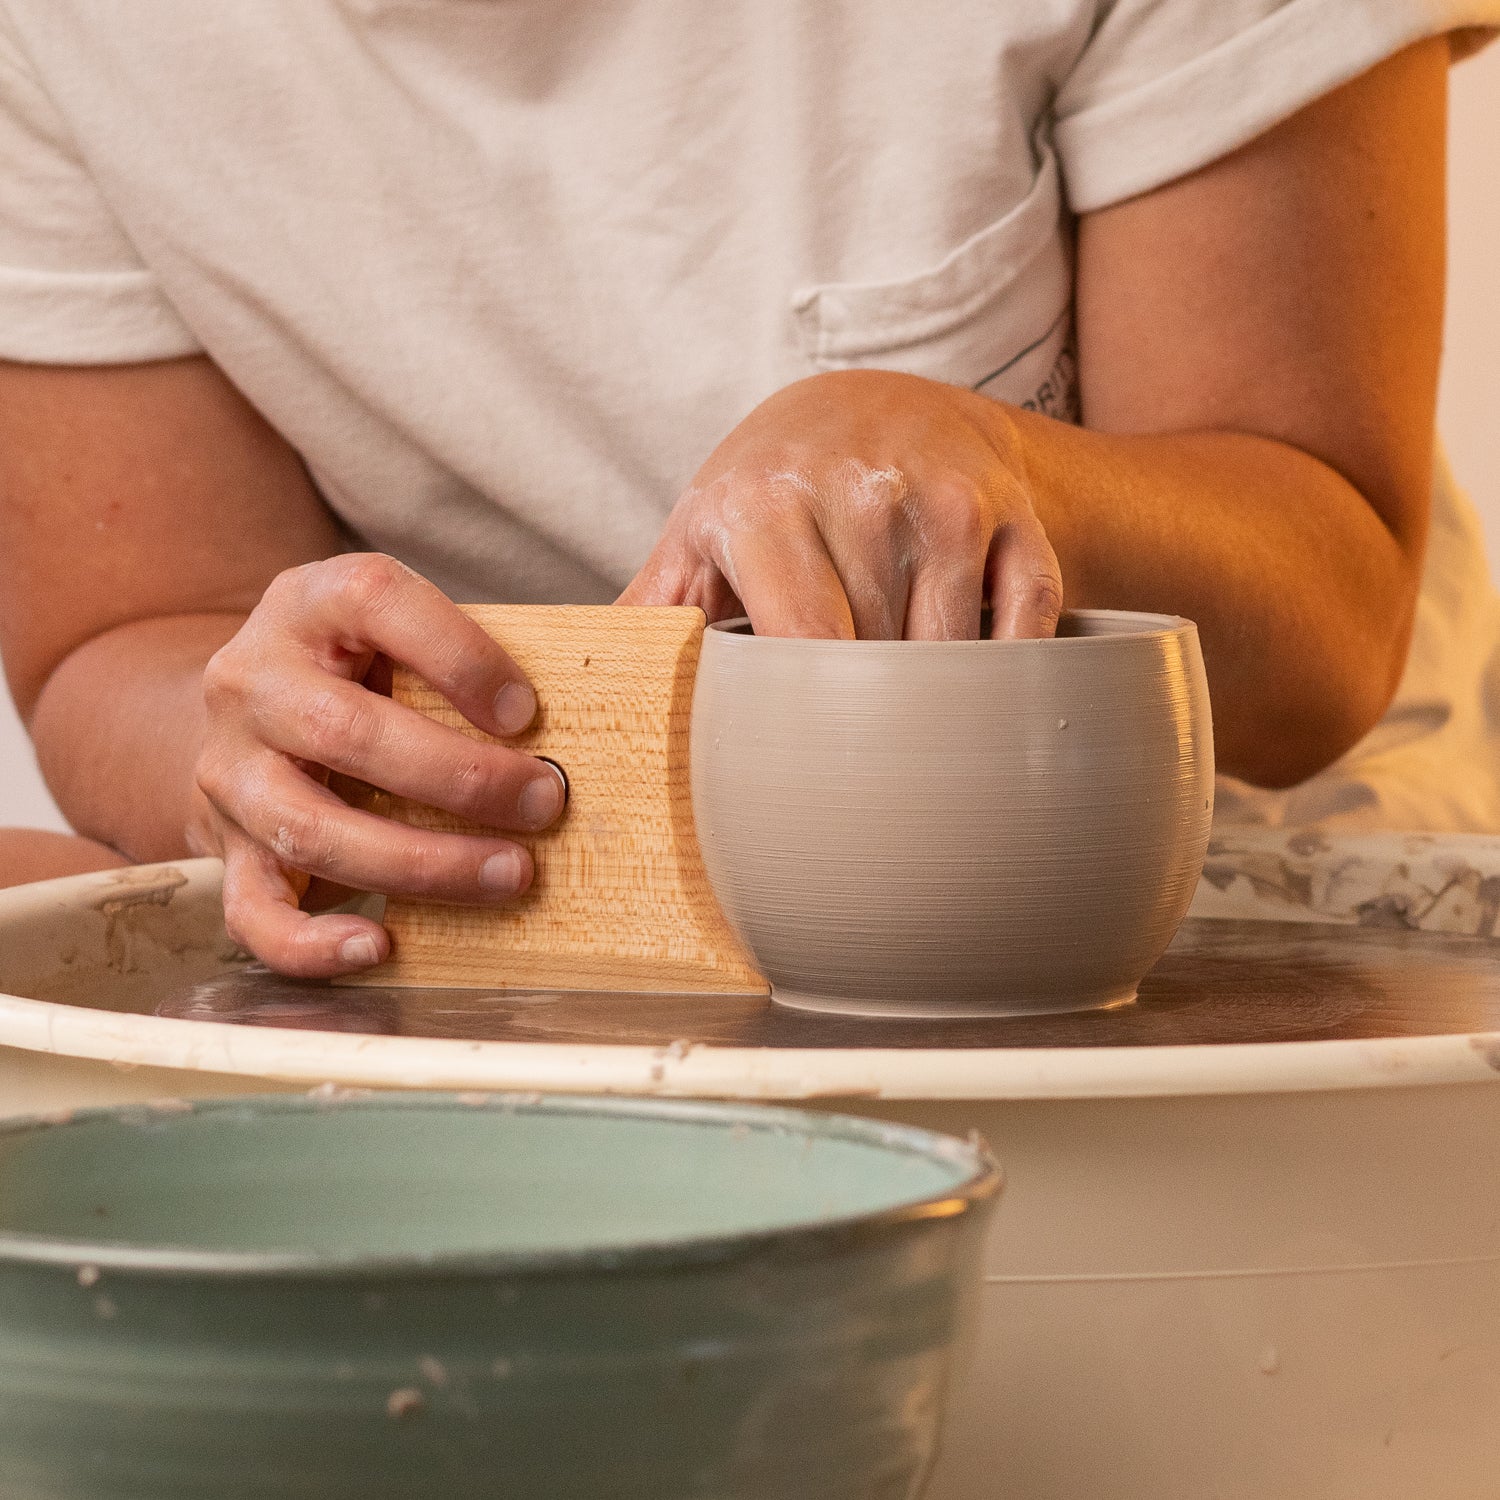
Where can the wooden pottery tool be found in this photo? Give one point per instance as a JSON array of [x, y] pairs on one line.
[[620, 900]]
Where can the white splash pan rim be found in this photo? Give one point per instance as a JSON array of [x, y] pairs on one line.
[[128, 1041]]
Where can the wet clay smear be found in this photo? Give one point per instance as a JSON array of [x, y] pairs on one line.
[[1220, 982]]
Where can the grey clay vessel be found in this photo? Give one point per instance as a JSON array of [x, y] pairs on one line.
[[405, 1296], [950, 828]]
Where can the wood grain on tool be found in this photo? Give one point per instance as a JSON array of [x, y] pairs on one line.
[[620, 900]]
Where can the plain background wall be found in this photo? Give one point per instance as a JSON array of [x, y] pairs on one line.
[[1469, 410], [1469, 403]]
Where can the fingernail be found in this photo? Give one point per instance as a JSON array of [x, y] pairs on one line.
[[361, 949], [515, 707], [504, 871], [542, 798]]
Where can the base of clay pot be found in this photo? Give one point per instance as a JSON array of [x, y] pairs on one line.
[[951, 1010]]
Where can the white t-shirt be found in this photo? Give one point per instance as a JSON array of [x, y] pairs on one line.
[[505, 271]]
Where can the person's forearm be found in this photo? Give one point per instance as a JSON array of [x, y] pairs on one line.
[[117, 730], [1304, 609]]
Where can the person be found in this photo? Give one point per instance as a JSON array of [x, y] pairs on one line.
[[318, 315]]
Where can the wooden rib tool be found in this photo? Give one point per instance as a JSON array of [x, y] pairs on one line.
[[621, 900]]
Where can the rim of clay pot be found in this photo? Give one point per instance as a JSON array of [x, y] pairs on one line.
[[1119, 625], [982, 1183]]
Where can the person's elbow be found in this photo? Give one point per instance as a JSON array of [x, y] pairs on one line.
[[1320, 707]]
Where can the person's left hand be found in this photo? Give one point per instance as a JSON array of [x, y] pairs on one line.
[[866, 504]]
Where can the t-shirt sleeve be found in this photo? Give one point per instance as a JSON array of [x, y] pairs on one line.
[[73, 290], [1164, 87]]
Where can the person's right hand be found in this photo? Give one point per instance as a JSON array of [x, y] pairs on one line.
[[287, 705]]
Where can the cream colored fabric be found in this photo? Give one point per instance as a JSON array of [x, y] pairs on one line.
[[505, 271]]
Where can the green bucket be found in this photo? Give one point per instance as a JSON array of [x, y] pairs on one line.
[[411, 1295]]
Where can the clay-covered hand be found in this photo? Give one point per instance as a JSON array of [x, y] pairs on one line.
[[862, 503], [287, 704]]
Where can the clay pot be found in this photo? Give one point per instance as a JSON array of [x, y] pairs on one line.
[[413, 1296], [949, 828]]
